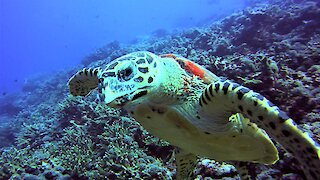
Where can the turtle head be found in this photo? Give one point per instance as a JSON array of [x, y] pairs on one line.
[[128, 77]]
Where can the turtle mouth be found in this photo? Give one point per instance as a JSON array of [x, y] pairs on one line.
[[139, 94], [118, 102], [123, 100]]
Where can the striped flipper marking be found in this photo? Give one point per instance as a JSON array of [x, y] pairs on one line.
[[83, 82], [224, 98]]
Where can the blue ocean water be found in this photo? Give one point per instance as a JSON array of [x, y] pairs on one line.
[[45, 36]]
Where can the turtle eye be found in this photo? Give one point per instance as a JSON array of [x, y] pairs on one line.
[[125, 74]]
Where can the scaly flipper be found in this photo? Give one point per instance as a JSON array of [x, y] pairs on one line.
[[242, 167], [186, 163], [224, 98], [84, 81]]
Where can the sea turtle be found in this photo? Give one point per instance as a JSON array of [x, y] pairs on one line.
[[200, 113]]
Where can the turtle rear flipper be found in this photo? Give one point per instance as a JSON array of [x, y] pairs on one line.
[[186, 163], [224, 98], [84, 81]]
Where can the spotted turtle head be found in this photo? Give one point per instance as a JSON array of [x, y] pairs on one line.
[[128, 77]]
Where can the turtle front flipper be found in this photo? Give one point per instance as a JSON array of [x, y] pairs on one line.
[[84, 81], [186, 163], [224, 98]]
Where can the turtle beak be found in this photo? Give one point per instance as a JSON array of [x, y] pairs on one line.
[[123, 100]]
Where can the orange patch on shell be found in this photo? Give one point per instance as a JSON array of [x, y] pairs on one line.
[[194, 69]]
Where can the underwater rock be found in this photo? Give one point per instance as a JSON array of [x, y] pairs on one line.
[[31, 177], [32, 170]]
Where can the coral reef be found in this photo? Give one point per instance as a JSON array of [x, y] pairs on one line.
[[273, 48]]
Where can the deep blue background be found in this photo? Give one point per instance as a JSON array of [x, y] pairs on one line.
[[39, 36]]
